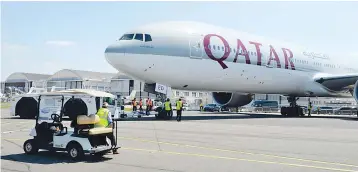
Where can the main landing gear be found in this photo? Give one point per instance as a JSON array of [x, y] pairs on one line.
[[293, 110]]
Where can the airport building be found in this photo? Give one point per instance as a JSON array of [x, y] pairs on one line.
[[72, 79], [123, 85], [22, 82], [116, 83]]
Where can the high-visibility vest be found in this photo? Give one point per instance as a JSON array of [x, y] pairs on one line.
[[134, 103], [103, 117], [179, 105], [140, 103], [150, 103], [167, 106]]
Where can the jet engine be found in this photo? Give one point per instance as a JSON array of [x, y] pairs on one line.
[[232, 99], [355, 91]]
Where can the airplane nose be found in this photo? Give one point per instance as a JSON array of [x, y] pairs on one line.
[[113, 48], [111, 53]]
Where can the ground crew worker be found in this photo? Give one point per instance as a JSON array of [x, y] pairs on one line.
[[179, 108], [105, 120], [140, 105], [318, 110], [134, 104], [168, 107], [149, 106], [201, 106], [309, 108]]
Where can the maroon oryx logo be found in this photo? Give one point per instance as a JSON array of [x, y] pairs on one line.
[[210, 54]]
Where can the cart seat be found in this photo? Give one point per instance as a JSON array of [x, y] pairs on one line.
[[87, 120], [85, 125], [96, 131]]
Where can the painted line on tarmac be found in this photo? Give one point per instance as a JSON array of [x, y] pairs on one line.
[[240, 159], [241, 152], [225, 158], [10, 139], [7, 132], [16, 122]]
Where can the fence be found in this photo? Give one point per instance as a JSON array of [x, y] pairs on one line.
[[277, 110]]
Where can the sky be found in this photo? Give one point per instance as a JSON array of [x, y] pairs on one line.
[[45, 37]]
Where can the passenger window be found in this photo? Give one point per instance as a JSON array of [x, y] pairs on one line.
[[138, 36], [214, 47], [209, 46], [234, 50], [127, 37], [148, 38], [222, 48]]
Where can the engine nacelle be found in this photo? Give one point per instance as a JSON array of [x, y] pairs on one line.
[[355, 91], [232, 99]]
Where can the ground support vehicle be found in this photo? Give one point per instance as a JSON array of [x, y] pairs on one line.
[[50, 134]]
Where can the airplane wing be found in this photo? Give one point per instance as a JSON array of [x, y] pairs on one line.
[[337, 82]]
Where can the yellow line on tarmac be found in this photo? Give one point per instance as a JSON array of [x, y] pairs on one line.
[[240, 159], [241, 152]]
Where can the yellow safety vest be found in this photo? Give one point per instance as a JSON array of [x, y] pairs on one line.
[[103, 117], [179, 105], [167, 106]]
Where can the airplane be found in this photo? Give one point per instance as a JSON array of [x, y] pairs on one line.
[[233, 65]]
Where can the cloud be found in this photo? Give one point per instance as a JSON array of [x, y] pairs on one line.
[[9, 47], [60, 43]]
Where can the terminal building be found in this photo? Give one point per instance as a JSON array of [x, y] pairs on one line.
[[122, 85]]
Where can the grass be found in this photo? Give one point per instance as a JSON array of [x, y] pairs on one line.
[[5, 105]]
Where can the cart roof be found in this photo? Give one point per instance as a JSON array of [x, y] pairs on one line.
[[90, 92]]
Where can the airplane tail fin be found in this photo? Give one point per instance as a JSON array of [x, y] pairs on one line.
[[132, 95]]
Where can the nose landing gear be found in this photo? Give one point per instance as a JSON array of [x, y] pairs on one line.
[[293, 110]]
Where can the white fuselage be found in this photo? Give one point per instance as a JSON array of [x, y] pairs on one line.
[[197, 56]]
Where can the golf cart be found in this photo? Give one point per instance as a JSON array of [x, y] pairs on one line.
[[51, 134]]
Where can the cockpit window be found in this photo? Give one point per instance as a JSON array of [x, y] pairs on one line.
[[138, 36], [127, 37], [148, 38]]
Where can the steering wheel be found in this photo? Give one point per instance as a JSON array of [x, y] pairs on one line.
[[56, 118]]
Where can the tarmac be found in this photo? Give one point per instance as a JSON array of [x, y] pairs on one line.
[[209, 142]]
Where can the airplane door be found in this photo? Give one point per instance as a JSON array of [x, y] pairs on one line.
[[196, 46]]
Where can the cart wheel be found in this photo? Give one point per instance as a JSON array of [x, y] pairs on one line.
[[75, 151], [139, 116], [30, 147]]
